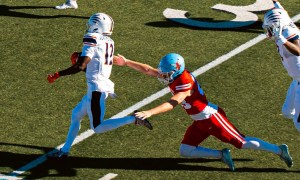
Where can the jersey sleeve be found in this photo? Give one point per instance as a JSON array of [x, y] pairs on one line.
[[291, 34], [87, 51], [89, 42]]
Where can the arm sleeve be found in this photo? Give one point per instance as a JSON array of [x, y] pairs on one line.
[[87, 51], [290, 34]]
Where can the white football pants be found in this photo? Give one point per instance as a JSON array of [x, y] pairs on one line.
[[291, 106], [93, 105]]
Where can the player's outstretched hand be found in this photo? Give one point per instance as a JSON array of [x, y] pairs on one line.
[[277, 33], [120, 60], [52, 77], [143, 114]]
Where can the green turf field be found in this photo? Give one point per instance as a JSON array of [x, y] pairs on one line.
[[37, 40]]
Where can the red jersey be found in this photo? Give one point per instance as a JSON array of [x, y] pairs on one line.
[[196, 104], [208, 118]]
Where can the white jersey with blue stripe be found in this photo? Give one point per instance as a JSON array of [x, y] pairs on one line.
[[100, 49], [290, 61]]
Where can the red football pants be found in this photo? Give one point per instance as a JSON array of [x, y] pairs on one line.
[[217, 125]]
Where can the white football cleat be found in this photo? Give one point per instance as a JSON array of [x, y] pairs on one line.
[[68, 5]]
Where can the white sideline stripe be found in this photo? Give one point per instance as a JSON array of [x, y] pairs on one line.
[[149, 99], [109, 176]]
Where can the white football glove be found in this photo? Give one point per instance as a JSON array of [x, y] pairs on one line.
[[277, 33]]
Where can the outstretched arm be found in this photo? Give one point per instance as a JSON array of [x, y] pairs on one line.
[[164, 107], [143, 68], [80, 65]]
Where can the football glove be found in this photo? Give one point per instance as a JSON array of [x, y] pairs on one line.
[[52, 77], [277, 33], [74, 57]]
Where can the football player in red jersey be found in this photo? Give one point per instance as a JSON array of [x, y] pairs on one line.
[[209, 119]]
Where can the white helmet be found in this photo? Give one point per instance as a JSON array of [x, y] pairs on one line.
[[274, 17], [100, 23]]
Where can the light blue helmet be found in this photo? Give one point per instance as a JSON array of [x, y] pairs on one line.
[[170, 67]]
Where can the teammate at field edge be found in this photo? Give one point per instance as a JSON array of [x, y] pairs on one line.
[[96, 59], [69, 4], [280, 28], [208, 118]]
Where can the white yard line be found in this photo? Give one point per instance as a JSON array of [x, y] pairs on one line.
[[108, 176], [148, 100]]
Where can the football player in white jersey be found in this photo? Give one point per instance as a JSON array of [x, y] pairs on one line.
[[208, 118], [280, 28], [96, 60]]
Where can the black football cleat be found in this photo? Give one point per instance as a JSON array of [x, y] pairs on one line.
[[142, 122]]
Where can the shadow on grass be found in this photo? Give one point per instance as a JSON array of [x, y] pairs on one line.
[[9, 11], [67, 167], [256, 27]]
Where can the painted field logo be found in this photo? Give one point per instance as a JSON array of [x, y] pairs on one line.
[[244, 15]]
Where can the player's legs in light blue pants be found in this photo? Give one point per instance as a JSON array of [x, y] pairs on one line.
[[96, 112], [97, 122], [77, 114]]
